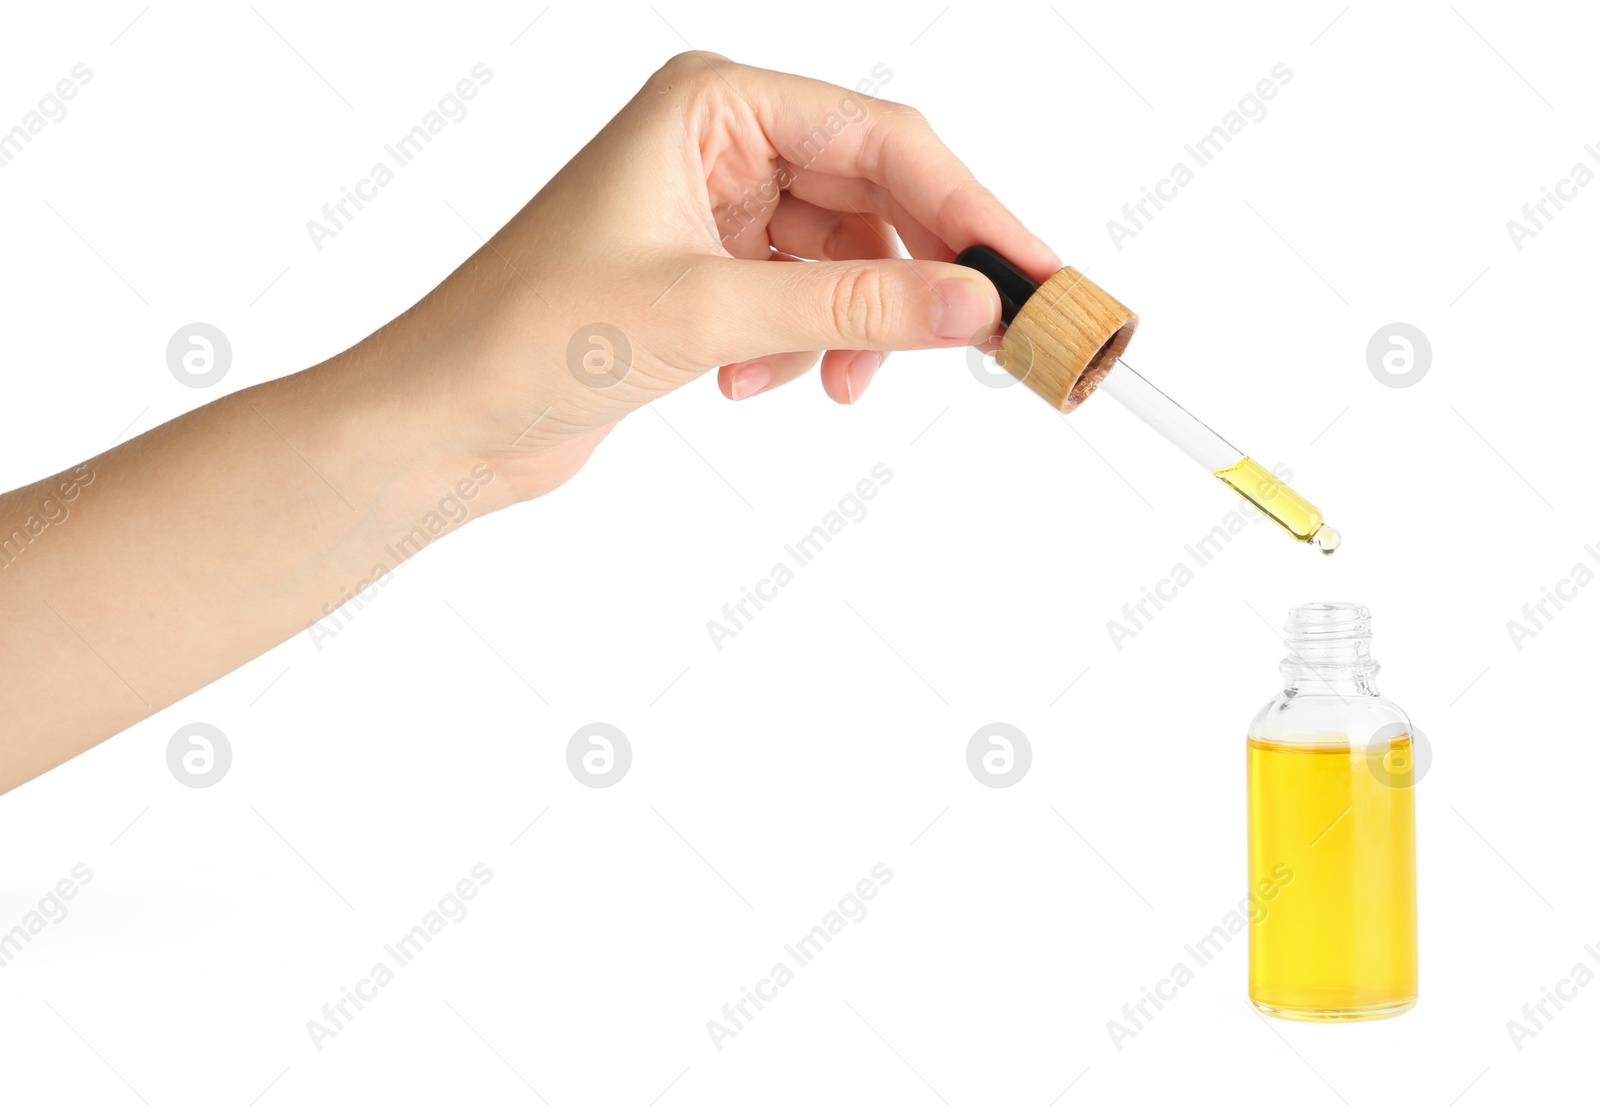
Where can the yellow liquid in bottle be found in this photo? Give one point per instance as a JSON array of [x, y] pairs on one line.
[[1280, 502], [1340, 941]]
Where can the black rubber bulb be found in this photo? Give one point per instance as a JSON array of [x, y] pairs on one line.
[[1014, 286]]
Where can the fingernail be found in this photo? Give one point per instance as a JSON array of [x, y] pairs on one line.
[[750, 379], [863, 365], [961, 307]]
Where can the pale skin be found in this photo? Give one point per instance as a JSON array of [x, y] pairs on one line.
[[728, 217]]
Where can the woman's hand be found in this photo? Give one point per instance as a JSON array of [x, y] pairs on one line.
[[672, 244]]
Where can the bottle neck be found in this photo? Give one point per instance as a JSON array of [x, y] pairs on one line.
[[1326, 651]]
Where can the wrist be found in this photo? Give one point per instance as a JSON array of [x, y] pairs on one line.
[[379, 443], [417, 415]]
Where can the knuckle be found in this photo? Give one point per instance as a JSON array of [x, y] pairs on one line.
[[677, 65], [909, 114], [861, 304], [888, 128], [962, 199], [904, 113], [695, 86], [682, 69], [690, 67]]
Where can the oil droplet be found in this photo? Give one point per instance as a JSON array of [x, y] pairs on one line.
[[1326, 539]]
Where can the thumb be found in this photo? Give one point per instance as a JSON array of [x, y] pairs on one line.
[[876, 305]]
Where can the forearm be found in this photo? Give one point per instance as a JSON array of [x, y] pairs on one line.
[[194, 548], [671, 244]]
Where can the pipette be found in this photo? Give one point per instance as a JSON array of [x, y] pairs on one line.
[[1064, 339]]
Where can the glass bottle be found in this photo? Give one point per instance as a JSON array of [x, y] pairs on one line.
[[1333, 924]]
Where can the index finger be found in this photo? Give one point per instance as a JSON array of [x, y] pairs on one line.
[[832, 130]]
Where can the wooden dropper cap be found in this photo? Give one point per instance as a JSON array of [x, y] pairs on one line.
[[1062, 336]]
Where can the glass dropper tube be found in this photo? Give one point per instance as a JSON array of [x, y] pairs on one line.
[[1269, 494], [1097, 317]]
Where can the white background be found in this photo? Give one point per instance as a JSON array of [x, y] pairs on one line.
[[372, 771]]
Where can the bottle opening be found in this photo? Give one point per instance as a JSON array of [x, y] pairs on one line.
[[1324, 621], [1328, 643]]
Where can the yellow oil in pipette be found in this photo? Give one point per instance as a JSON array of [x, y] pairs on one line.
[[1068, 378], [1280, 502]]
